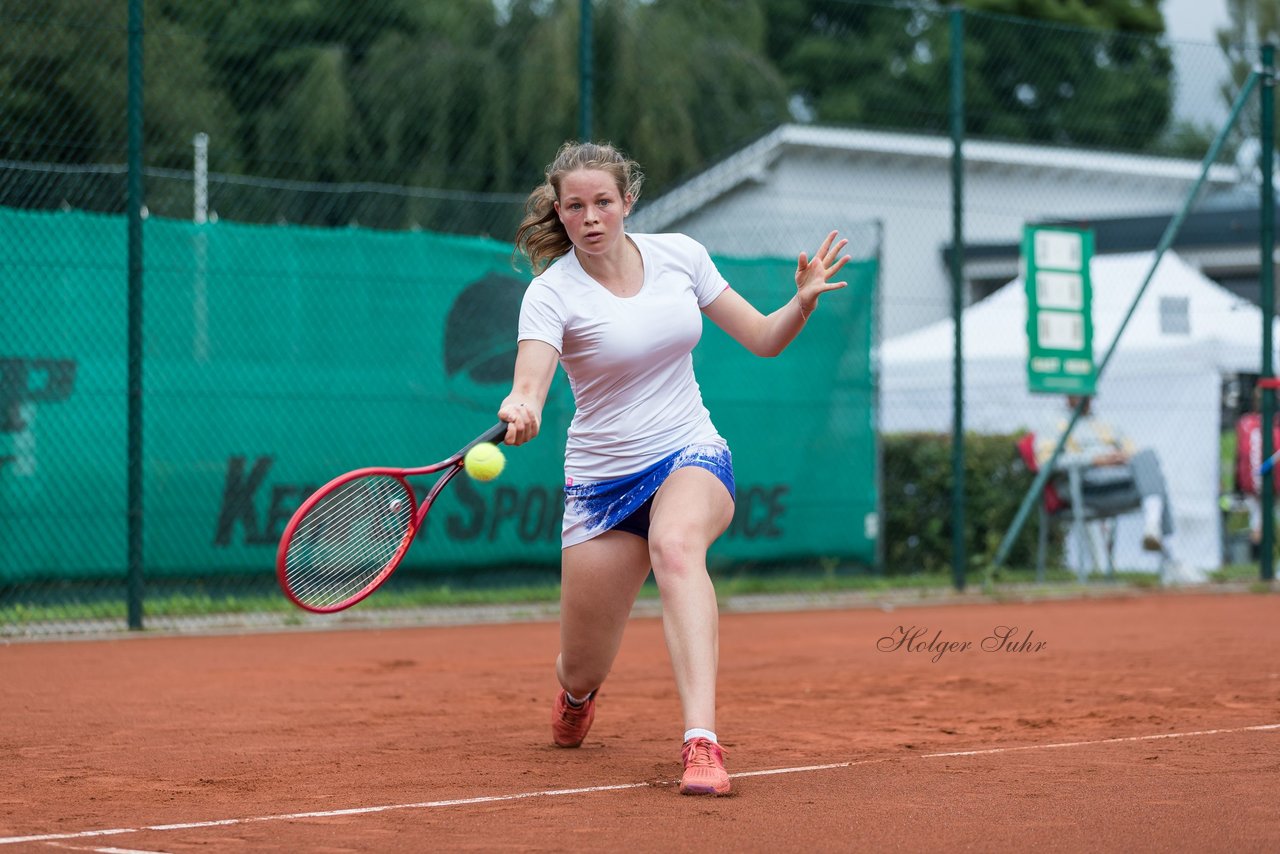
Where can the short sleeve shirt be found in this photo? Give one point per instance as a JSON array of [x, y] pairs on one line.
[[1091, 438], [628, 360]]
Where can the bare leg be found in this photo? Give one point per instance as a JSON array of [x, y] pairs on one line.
[[690, 510], [599, 581]]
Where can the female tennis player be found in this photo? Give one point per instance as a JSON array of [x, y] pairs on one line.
[[648, 480]]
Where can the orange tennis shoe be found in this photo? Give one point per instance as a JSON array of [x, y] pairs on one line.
[[704, 772], [569, 724]]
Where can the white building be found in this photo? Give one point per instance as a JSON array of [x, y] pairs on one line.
[[891, 194]]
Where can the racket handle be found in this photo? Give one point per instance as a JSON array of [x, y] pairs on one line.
[[1266, 467], [493, 435]]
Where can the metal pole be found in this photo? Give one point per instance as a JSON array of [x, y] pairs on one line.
[[878, 314], [957, 296], [134, 203], [585, 71], [1267, 282], [200, 179], [200, 216], [1166, 240]]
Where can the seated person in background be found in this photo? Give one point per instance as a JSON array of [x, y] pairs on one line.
[[1114, 478]]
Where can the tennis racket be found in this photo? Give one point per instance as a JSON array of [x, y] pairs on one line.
[[351, 534], [1265, 468]]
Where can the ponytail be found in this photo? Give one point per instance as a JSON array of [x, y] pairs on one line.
[[541, 236]]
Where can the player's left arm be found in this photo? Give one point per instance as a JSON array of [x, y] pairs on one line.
[[769, 335]]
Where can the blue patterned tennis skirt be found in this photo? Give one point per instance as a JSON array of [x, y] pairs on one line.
[[623, 503]]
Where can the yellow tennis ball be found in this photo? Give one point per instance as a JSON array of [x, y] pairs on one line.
[[484, 461]]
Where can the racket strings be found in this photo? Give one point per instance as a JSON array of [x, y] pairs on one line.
[[347, 539], [351, 538]]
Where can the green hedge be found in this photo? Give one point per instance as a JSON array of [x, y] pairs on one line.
[[917, 503]]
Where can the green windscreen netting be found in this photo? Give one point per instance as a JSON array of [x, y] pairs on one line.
[[277, 357]]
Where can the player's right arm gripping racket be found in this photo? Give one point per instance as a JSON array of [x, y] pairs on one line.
[[351, 534]]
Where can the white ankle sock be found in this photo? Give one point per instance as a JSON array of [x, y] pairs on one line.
[[1153, 513], [574, 701], [700, 733]]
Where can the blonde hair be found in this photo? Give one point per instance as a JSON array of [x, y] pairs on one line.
[[541, 236]]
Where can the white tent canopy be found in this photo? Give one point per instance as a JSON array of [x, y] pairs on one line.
[[1162, 386]]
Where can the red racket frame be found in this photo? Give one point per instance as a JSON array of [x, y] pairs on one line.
[[418, 513]]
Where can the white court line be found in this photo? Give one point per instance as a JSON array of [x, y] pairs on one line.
[[1101, 741], [106, 850], [489, 799], [803, 768]]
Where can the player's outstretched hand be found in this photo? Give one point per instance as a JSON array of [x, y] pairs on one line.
[[813, 276]]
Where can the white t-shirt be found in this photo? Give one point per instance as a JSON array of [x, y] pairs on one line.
[[629, 360]]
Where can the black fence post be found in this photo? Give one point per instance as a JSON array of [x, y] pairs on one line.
[[134, 204], [958, 556], [1266, 271], [585, 72]]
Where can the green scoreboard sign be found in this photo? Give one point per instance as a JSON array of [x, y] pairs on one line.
[[1059, 310]]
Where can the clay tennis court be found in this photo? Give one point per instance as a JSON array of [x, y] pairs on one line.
[[1141, 723]]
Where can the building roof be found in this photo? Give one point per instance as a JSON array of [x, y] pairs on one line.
[[750, 164], [1221, 239]]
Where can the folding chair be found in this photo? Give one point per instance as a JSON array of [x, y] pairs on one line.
[[1094, 529]]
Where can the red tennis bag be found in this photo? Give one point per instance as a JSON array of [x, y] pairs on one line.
[[1249, 452]]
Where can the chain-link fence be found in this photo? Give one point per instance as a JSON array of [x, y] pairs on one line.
[[312, 170]]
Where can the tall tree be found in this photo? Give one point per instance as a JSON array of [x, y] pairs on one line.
[[63, 92], [539, 46], [1252, 23], [683, 82], [676, 83], [437, 110], [458, 97], [1082, 73], [391, 91]]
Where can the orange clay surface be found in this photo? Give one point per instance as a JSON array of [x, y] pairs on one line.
[[1138, 723]]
